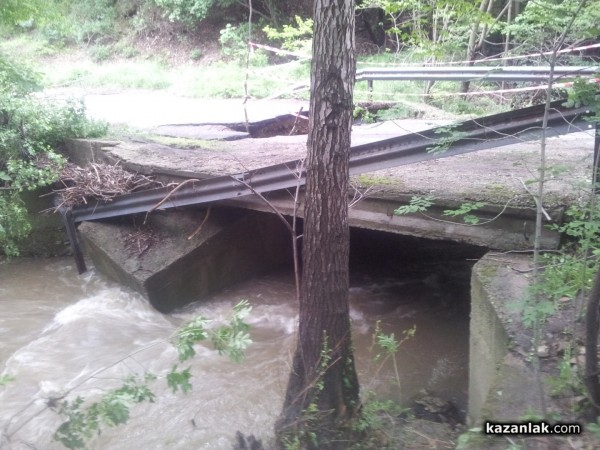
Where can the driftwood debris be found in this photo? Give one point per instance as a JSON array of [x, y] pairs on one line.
[[140, 240], [103, 182]]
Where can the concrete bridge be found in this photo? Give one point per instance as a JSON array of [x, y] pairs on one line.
[[180, 254], [392, 162]]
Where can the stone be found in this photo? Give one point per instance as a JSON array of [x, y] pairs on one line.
[[543, 351]]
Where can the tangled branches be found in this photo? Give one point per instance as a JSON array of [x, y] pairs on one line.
[[140, 240], [98, 182]]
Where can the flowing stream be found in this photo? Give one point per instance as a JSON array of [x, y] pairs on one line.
[[58, 329]]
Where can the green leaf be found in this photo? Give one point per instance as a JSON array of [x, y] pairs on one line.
[[471, 219], [78, 427], [416, 204], [189, 335], [179, 380], [111, 410], [464, 210], [5, 379], [115, 411], [449, 136]]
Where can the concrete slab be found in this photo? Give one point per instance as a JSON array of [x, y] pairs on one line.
[[206, 132], [502, 178]]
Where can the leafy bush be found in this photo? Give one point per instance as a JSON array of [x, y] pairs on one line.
[[16, 78], [94, 21], [296, 37], [233, 40], [101, 53], [30, 131], [540, 24], [189, 11], [14, 11]]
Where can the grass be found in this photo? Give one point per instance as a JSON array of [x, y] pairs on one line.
[[226, 80], [121, 74], [120, 66], [27, 49], [368, 180], [384, 91], [184, 143]]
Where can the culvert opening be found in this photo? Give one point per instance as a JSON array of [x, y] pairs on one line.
[[401, 283]]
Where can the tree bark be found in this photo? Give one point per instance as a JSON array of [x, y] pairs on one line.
[[322, 392], [472, 45], [591, 378]]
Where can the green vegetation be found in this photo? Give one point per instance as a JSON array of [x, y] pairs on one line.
[[368, 180], [295, 37], [569, 273], [5, 379], [389, 347], [85, 419], [465, 210], [373, 428], [416, 204], [184, 142], [31, 129], [542, 22], [595, 428], [111, 410], [99, 31]]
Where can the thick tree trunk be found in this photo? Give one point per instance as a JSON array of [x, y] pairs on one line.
[[322, 391], [592, 371]]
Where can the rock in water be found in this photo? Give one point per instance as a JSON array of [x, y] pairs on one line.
[[247, 443]]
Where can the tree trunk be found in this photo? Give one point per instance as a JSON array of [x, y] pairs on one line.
[[591, 378], [322, 392], [472, 45]]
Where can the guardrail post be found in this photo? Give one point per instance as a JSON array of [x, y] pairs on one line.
[[73, 240], [370, 89]]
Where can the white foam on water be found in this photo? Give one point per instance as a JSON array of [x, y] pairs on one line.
[[96, 325]]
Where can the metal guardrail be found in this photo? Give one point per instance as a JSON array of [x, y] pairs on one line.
[[469, 136], [479, 73]]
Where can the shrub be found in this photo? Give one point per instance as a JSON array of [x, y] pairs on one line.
[[30, 131], [189, 11], [296, 37], [233, 41], [94, 21]]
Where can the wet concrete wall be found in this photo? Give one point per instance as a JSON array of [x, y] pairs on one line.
[[501, 386], [170, 265], [47, 237]]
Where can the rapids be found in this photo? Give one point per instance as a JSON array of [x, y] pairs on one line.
[[59, 330]]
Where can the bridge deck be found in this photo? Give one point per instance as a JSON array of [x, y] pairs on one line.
[[497, 177]]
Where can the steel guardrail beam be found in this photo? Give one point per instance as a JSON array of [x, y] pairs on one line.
[[520, 73], [464, 137]]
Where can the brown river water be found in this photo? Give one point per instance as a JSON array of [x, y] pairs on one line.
[[58, 329]]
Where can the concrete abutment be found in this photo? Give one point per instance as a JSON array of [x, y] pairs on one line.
[[171, 263], [501, 386]]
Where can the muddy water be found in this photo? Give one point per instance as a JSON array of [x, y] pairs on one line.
[[58, 330]]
